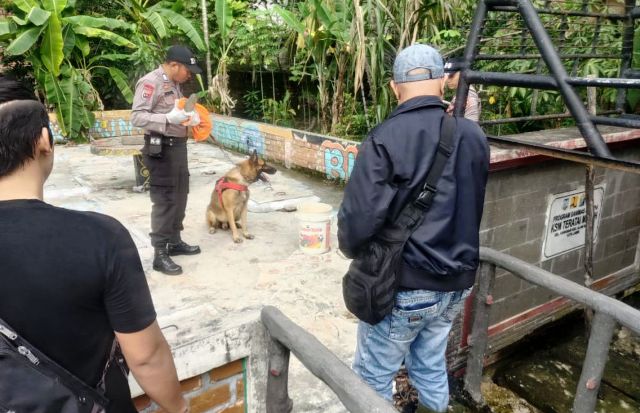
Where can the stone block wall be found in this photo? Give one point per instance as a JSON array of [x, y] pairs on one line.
[[221, 390], [514, 222]]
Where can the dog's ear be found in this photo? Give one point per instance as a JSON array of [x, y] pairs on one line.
[[254, 156]]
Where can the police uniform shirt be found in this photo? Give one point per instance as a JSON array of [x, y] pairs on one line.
[[155, 97]]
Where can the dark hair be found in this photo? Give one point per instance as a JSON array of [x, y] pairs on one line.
[[22, 118]]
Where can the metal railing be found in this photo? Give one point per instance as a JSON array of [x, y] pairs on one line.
[[608, 313], [286, 337]]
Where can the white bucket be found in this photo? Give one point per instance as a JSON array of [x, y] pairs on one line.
[[314, 227]]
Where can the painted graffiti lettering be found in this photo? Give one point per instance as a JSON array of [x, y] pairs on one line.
[[102, 128], [242, 136], [338, 159]]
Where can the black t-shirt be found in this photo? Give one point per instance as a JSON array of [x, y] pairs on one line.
[[68, 280]]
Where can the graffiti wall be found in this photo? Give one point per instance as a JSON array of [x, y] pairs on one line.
[[333, 157], [294, 148], [107, 124]]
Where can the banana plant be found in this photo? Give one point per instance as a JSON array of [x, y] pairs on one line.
[[53, 40], [156, 25], [322, 29]]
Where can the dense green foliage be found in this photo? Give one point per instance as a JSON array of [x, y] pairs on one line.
[[71, 54], [322, 65]]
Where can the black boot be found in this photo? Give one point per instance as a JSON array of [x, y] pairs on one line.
[[182, 248], [163, 263]]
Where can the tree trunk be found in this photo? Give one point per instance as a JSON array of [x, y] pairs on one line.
[[205, 34], [337, 108], [323, 97]]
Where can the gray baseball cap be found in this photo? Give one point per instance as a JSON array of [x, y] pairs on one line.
[[417, 56]]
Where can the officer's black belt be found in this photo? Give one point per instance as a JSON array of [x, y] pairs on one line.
[[168, 140]]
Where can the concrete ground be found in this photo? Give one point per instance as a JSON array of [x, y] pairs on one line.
[[227, 279]]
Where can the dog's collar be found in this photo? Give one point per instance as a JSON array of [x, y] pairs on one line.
[[223, 183]]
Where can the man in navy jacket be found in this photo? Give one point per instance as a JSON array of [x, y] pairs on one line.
[[441, 256]]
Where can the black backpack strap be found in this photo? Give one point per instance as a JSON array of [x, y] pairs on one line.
[[115, 356], [38, 358], [413, 213]]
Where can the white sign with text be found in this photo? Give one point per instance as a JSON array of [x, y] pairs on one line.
[[567, 221]]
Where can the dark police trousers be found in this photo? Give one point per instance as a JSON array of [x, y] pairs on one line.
[[169, 188]]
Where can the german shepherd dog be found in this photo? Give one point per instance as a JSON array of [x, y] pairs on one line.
[[230, 197]]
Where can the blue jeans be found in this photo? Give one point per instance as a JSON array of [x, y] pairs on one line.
[[416, 331]]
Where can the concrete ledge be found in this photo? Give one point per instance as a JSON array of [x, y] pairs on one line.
[[118, 146], [565, 138], [203, 338]]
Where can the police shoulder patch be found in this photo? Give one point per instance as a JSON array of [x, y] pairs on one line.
[[147, 91]]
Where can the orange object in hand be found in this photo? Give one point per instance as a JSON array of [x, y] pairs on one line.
[[203, 129]]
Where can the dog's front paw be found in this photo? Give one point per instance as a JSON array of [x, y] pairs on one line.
[[248, 236], [212, 230], [238, 240]]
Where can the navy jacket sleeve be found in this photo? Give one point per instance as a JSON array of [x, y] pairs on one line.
[[367, 196]]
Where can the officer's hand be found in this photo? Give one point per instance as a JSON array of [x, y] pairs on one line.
[[177, 116], [194, 120]]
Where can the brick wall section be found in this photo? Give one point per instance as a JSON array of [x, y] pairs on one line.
[[221, 390]]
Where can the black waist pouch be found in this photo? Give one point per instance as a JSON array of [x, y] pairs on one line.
[[154, 142], [370, 285], [30, 382]]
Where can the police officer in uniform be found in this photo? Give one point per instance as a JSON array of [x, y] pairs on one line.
[[165, 153]]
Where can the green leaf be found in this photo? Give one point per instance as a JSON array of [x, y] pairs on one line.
[[68, 40], [52, 89], [323, 15], [25, 5], [98, 22], [72, 110], [122, 83], [54, 6], [52, 45], [24, 41], [224, 18], [185, 26], [112, 57], [104, 34], [290, 19], [158, 23], [53, 94], [178, 6], [83, 45], [19, 21], [7, 27], [38, 16]]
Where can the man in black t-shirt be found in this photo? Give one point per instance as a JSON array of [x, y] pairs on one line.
[[71, 280]]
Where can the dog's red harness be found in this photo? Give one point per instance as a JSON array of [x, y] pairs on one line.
[[223, 183]]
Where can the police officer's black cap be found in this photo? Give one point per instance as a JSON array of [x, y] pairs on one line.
[[454, 64], [184, 55]]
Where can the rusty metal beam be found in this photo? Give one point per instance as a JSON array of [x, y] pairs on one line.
[[537, 117], [566, 154]]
